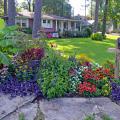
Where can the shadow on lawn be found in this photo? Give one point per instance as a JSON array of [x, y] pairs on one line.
[[97, 50]]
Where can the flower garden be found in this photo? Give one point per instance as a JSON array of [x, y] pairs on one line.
[[30, 67]]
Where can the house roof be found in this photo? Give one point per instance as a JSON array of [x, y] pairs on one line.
[[83, 20], [44, 16]]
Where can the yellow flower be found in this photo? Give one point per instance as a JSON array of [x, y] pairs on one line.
[[84, 58], [105, 78], [106, 85]]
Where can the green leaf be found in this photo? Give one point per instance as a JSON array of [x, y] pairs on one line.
[[4, 59]]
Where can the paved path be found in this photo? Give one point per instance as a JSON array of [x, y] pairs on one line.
[[59, 109]]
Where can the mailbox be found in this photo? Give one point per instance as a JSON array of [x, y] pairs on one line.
[[118, 43]]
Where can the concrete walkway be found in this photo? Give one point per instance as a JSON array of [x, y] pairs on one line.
[[58, 109]]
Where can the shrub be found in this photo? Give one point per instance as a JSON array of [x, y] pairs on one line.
[[88, 31], [27, 30], [54, 72], [90, 117], [84, 33], [97, 36], [8, 45]]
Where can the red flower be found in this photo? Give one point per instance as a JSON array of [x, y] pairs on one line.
[[86, 86]]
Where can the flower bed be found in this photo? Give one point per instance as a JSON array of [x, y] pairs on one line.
[[19, 79], [48, 74], [90, 80]]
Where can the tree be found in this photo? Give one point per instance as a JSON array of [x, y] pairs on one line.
[[37, 18], [5, 7], [11, 12], [96, 16], [57, 7], [1, 7], [28, 5], [114, 13], [105, 17]]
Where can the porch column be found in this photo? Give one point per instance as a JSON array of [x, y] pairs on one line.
[[21, 23], [56, 25], [27, 23], [69, 25], [75, 26], [62, 26]]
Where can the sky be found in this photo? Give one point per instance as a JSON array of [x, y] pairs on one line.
[[78, 6]]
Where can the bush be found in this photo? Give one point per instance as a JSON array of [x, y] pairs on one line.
[[54, 72], [27, 30], [88, 31], [84, 33], [97, 36]]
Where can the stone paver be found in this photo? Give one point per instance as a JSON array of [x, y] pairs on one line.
[[60, 109]]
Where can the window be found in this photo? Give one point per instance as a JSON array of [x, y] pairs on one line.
[[18, 24], [48, 21], [44, 21], [23, 24]]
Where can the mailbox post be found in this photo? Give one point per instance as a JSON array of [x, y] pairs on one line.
[[117, 59]]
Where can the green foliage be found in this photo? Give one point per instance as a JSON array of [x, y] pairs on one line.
[[97, 36], [104, 87], [2, 24], [8, 46], [106, 117], [27, 30], [21, 116], [88, 31], [90, 117], [84, 33], [54, 71]]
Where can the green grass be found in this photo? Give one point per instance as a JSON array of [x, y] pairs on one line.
[[2, 24], [96, 50]]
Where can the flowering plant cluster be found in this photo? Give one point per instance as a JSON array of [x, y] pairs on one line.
[[97, 74], [115, 92], [32, 54], [90, 80], [86, 87], [21, 74]]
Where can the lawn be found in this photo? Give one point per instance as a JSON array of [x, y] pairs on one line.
[[96, 50], [2, 24]]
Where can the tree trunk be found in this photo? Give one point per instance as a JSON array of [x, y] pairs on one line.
[[96, 16], [11, 12], [29, 6], [37, 18], [91, 9], [5, 7], [105, 18]]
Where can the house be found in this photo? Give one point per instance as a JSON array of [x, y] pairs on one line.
[[50, 23]]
